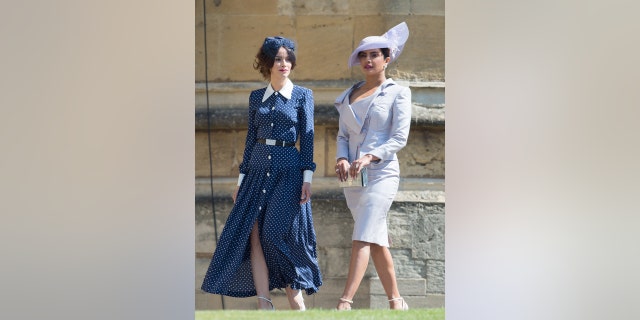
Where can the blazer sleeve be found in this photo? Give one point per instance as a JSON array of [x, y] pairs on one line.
[[342, 142], [400, 124], [305, 127], [342, 139]]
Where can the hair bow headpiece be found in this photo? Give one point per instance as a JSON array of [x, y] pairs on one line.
[[271, 45]]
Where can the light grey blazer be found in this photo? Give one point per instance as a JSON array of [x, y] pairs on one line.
[[385, 129]]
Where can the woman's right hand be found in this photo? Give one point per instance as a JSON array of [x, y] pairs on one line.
[[342, 169], [235, 194]]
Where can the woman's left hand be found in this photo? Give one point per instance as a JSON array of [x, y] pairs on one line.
[[357, 165], [305, 196]]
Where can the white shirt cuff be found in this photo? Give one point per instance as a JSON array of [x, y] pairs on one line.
[[308, 175], [240, 177]]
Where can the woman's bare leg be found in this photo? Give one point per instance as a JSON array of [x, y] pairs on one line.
[[383, 262], [360, 252], [296, 300], [259, 269]]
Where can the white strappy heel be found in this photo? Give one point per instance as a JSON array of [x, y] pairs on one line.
[[350, 302], [268, 300], [405, 306]]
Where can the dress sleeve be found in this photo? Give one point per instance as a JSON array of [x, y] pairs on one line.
[[305, 127], [252, 132]]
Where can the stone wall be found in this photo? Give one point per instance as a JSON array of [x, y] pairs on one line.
[[326, 32]]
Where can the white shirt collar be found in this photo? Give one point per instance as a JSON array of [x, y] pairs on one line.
[[285, 91]]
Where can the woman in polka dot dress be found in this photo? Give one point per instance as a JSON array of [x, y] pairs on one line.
[[269, 240]]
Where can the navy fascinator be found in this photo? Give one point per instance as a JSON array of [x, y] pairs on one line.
[[271, 45]]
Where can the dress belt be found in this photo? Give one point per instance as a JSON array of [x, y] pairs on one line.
[[280, 143]]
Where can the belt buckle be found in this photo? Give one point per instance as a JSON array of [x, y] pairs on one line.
[[270, 142]]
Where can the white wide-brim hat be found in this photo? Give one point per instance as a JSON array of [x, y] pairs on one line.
[[393, 39]]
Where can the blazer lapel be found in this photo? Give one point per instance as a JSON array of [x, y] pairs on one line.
[[349, 118], [346, 113], [378, 93]]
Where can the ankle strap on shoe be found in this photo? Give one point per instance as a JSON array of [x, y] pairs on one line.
[[267, 300], [346, 300]]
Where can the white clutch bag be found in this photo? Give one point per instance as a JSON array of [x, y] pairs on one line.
[[360, 181]]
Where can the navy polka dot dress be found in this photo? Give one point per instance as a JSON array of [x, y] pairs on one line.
[[270, 194]]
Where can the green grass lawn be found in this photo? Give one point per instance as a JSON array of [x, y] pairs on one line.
[[317, 314]]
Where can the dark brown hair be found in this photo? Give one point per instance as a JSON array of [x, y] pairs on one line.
[[385, 52], [264, 62]]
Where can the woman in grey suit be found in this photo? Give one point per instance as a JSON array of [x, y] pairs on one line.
[[375, 115]]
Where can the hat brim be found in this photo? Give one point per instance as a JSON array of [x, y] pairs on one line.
[[377, 43]]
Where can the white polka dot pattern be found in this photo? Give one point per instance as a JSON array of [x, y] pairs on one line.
[[270, 194]]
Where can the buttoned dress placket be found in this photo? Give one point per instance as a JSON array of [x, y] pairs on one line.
[[275, 102]]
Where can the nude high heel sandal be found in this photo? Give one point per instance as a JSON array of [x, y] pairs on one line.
[[350, 302], [405, 306], [267, 300]]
